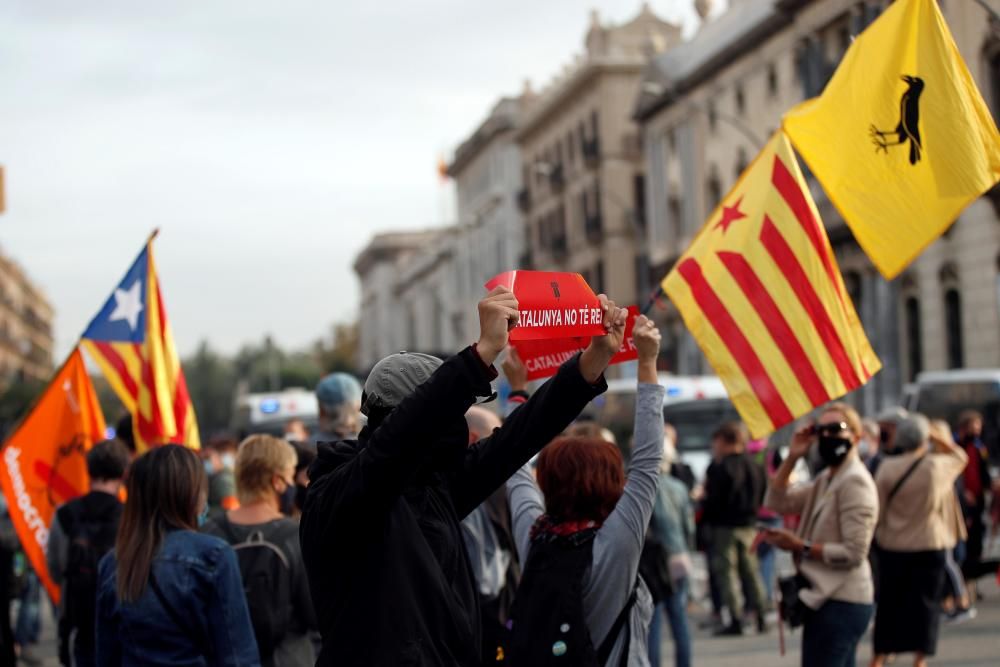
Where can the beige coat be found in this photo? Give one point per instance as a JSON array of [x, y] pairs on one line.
[[924, 513], [841, 514]]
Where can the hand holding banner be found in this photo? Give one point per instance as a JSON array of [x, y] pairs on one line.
[[543, 358], [552, 305]]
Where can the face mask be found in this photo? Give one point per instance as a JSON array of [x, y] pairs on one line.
[[286, 500], [228, 461], [864, 447], [203, 516], [300, 497], [833, 450]]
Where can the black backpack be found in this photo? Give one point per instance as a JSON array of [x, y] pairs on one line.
[[90, 537], [547, 623], [267, 583]]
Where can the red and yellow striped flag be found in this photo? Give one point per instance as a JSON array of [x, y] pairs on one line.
[[761, 292], [131, 341]]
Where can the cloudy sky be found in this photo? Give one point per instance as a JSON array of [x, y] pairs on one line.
[[267, 140]]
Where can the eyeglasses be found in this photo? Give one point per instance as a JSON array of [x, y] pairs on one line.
[[831, 429]]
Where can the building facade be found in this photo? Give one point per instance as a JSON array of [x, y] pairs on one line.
[[486, 169], [26, 339], [584, 197], [708, 106]]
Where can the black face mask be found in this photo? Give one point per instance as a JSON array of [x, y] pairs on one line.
[[286, 501], [300, 496], [833, 450]]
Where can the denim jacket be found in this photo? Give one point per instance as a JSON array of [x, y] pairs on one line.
[[200, 578]]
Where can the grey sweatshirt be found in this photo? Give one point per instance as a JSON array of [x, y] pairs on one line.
[[618, 543]]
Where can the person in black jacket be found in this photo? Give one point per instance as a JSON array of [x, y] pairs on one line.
[[734, 491], [380, 531]]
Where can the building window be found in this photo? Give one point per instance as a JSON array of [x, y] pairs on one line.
[[741, 162], [772, 80], [711, 116], [674, 219], [953, 327], [639, 193], [914, 339], [740, 100], [672, 140], [593, 125], [570, 149], [539, 177], [713, 190], [993, 77]]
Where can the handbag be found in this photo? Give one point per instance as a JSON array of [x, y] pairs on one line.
[[793, 609]]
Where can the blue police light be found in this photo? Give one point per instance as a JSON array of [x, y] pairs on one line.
[[673, 391], [269, 406]]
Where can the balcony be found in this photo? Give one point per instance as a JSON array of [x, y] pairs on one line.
[[593, 226], [591, 150], [524, 200], [557, 180]]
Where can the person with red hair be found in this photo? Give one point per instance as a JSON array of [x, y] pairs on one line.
[[579, 532]]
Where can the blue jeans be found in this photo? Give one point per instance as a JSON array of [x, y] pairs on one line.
[[831, 634], [766, 556], [676, 609]]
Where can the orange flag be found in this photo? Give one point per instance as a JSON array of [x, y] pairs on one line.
[[43, 464]]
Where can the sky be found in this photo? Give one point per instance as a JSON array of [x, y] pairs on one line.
[[268, 141]]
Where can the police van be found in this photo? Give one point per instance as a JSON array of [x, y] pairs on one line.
[[269, 412]]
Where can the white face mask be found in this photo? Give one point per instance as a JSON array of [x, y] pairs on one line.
[[228, 461], [864, 447]]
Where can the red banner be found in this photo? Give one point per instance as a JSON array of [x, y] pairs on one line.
[[543, 358], [552, 305]]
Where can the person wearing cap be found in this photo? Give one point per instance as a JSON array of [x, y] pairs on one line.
[[339, 399], [380, 530]]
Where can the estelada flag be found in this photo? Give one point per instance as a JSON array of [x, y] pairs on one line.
[[44, 462], [130, 339], [761, 292], [542, 358], [552, 305], [901, 139]]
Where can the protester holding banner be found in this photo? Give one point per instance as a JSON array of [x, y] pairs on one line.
[[167, 594], [580, 530], [380, 531], [833, 594], [82, 532], [270, 557]]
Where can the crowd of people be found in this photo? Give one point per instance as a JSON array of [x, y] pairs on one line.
[[419, 527]]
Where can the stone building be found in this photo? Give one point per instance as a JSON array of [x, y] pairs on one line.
[[583, 172], [708, 105], [25, 327], [486, 169]]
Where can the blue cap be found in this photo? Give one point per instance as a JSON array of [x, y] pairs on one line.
[[337, 389]]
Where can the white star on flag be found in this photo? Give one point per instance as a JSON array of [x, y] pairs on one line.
[[128, 305]]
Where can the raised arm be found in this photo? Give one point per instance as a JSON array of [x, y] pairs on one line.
[[626, 525], [781, 496], [489, 463]]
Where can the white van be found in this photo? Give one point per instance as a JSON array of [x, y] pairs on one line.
[[945, 394], [269, 412]]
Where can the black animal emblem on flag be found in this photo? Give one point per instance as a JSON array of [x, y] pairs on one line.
[[908, 129]]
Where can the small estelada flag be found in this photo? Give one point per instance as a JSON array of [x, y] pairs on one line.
[[131, 340], [761, 292], [542, 358], [901, 139], [44, 462], [552, 305]]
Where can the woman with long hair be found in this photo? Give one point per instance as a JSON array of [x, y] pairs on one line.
[[580, 531], [168, 595]]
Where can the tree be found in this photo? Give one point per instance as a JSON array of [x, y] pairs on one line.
[[339, 352], [211, 382]]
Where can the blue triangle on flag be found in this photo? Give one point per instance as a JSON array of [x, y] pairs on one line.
[[123, 317]]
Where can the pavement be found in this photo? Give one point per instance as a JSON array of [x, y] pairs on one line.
[[975, 643]]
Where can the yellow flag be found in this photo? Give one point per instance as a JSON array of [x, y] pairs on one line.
[[901, 139], [761, 292]]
